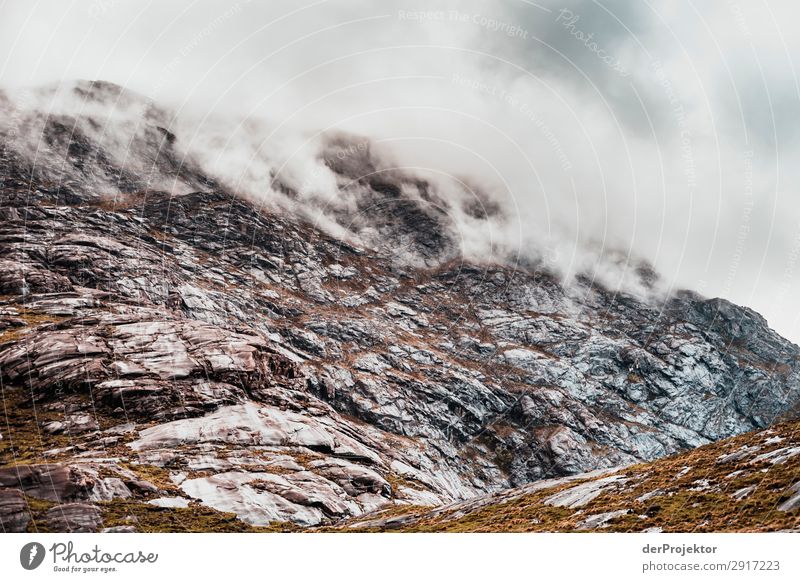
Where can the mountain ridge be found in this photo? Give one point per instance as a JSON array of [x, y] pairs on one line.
[[747, 483], [197, 352]]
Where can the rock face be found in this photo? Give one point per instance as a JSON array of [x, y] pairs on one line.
[[258, 366], [51, 482], [74, 518], [14, 514], [733, 485]]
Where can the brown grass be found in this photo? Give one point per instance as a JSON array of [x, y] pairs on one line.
[[677, 508]]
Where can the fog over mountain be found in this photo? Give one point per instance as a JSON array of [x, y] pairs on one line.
[[598, 128], [295, 266]]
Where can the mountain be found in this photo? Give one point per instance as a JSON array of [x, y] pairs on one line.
[[749, 483], [175, 356]]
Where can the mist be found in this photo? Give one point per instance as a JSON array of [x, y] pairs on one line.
[[600, 134]]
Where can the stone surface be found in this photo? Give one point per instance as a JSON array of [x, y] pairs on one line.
[[73, 424], [109, 488], [246, 424], [255, 498], [600, 520], [219, 336], [169, 502], [737, 494], [14, 514], [49, 481], [74, 518], [793, 503], [582, 494]]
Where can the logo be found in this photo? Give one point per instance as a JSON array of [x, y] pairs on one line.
[[31, 555]]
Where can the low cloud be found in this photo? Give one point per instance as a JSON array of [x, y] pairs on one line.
[[625, 132]]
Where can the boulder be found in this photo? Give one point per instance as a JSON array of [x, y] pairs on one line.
[[14, 513], [53, 482], [74, 518]]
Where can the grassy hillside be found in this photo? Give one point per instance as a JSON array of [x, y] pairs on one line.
[[747, 483]]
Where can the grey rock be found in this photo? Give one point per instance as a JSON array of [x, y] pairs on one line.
[[106, 489], [740, 494], [74, 518], [777, 456], [582, 494], [354, 479], [600, 520], [170, 502], [248, 424], [73, 424], [14, 514], [53, 482], [793, 502], [263, 498]]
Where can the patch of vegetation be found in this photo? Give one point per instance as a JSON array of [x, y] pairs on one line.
[[689, 492], [158, 476], [20, 424], [397, 481], [400, 510], [30, 318], [22, 419], [38, 509], [148, 518]]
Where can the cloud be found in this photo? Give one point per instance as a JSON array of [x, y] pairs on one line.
[[662, 130]]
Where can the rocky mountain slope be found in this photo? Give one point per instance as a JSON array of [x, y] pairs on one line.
[[747, 483], [191, 360]]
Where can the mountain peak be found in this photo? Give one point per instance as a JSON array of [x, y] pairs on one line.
[[166, 343]]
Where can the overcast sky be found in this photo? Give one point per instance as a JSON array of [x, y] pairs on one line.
[[667, 129]]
